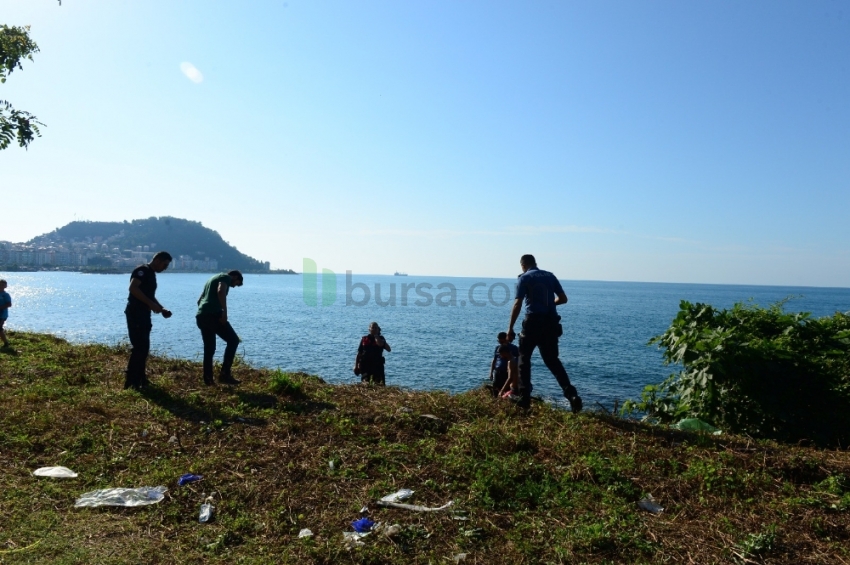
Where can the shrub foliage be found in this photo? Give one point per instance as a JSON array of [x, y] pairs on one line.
[[757, 371]]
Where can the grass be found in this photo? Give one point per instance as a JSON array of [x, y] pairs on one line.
[[544, 487]]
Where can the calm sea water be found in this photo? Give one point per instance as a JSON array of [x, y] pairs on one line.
[[606, 324]]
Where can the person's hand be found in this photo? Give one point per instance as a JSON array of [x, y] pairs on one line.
[[166, 313], [380, 340], [511, 335], [156, 309], [357, 370]]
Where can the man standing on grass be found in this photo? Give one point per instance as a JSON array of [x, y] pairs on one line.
[[140, 303], [541, 328], [212, 321]]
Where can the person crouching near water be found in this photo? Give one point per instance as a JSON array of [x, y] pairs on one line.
[[506, 373], [498, 372], [369, 364]]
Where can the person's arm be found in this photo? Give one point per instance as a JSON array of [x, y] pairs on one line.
[[357, 359], [560, 298], [9, 305], [515, 309], [136, 291], [385, 344], [492, 368], [222, 299]]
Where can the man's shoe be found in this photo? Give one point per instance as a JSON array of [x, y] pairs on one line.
[[520, 401], [575, 401], [209, 381], [228, 380]]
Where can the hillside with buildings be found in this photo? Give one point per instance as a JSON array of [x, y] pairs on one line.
[[123, 245]]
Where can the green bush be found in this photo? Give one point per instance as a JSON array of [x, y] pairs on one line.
[[286, 383], [757, 371]]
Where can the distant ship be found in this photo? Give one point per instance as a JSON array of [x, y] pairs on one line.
[[397, 274]]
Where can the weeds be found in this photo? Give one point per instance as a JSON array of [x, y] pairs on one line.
[[549, 487]]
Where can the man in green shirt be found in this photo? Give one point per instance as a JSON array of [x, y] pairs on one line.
[[212, 321]]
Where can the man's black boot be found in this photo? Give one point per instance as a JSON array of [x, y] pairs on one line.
[[571, 394], [228, 379]]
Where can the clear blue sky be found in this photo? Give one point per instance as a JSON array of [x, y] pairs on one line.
[[701, 141]]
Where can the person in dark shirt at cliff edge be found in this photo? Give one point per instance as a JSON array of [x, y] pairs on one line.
[[541, 328], [140, 303]]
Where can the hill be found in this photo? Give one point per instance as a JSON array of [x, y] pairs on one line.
[[177, 236], [286, 452]]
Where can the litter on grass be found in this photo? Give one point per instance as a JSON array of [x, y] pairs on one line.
[[353, 539], [696, 425], [128, 497], [648, 504], [207, 511], [398, 496], [459, 557], [305, 533], [362, 525], [414, 507], [188, 478], [55, 472]]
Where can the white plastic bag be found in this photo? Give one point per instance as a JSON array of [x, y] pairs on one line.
[[55, 472], [128, 497], [648, 503], [398, 496]]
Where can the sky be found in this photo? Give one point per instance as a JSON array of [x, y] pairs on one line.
[[667, 141]]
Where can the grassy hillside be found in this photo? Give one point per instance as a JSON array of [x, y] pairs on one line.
[[543, 487]]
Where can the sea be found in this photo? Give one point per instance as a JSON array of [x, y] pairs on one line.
[[442, 330]]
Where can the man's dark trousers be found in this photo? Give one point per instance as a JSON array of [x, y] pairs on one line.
[[541, 331], [211, 326], [139, 329]]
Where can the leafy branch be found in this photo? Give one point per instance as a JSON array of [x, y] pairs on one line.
[[16, 45], [17, 124]]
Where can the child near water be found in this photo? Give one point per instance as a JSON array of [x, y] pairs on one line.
[[5, 304]]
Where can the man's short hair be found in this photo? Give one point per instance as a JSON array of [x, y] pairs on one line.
[[162, 256], [235, 273], [501, 335], [528, 260], [3, 281], [504, 349]]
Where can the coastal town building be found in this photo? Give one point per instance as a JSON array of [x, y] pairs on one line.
[[91, 253]]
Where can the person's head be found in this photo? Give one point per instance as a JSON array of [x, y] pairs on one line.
[[527, 262], [374, 329], [236, 278], [3, 284], [161, 260], [502, 337], [505, 351]]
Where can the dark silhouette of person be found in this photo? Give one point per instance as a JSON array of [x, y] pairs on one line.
[[212, 321], [369, 363], [541, 328], [140, 303]]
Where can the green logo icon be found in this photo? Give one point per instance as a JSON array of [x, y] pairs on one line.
[[310, 284]]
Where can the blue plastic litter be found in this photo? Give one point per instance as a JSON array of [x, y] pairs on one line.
[[362, 525], [188, 478]]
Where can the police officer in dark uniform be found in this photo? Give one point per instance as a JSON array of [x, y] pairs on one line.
[[140, 303], [541, 328]]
